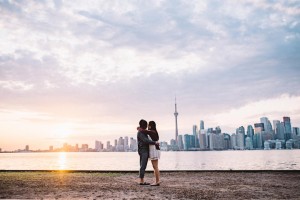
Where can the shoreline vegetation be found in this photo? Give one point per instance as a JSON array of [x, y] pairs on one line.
[[70, 184]]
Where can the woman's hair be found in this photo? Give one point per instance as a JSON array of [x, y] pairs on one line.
[[152, 124]]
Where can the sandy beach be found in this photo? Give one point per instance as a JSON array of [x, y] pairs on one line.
[[175, 185]]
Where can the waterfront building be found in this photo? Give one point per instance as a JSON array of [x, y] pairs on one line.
[[163, 146], [201, 125], [258, 127], [287, 128], [133, 144], [126, 143], [248, 144], [280, 131], [189, 142], [267, 124], [250, 132], [180, 143], [276, 128], [108, 146], [227, 141], [233, 141], [27, 148], [278, 144], [289, 144], [296, 131], [266, 145], [211, 141], [202, 140], [172, 142], [98, 145], [258, 140], [240, 140], [84, 147], [50, 148], [195, 131], [266, 136]]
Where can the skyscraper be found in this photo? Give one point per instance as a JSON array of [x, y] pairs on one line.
[[195, 131], [287, 128], [250, 132], [176, 125], [258, 127], [267, 124], [201, 125], [180, 142], [276, 128]]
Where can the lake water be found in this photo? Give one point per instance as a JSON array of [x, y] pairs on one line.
[[194, 160]]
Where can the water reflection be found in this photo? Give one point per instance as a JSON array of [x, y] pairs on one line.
[[219, 160], [62, 160]]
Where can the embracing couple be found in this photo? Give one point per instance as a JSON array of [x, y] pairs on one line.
[[148, 148]]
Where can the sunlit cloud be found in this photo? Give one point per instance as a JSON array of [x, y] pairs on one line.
[[103, 65]]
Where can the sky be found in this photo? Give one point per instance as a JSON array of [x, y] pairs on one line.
[[78, 71]]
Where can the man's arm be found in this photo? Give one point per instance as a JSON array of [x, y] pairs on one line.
[[145, 139], [146, 131]]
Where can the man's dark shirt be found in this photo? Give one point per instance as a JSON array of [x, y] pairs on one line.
[[143, 141], [153, 135]]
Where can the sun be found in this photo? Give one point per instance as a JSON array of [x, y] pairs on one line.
[[63, 130]]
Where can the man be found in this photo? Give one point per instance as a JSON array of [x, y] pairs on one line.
[[143, 150]]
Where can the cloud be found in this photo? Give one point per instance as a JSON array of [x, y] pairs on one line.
[[111, 62], [284, 105]]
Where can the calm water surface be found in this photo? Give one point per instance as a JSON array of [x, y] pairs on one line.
[[196, 160]]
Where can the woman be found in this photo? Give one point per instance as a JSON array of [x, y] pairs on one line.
[[154, 150]]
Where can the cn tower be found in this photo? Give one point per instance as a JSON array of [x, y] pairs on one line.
[[176, 126]]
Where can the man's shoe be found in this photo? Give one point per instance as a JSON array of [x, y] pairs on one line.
[[145, 183]]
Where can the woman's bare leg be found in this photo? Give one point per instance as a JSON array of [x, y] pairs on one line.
[[156, 170]]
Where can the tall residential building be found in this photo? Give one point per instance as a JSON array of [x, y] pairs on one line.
[[189, 142], [257, 140], [133, 144], [27, 148], [258, 127], [195, 131], [248, 144], [287, 128], [186, 140], [201, 125], [240, 138], [97, 145], [180, 142], [296, 132], [108, 146], [176, 124], [202, 140], [233, 141], [267, 124], [227, 141], [280, 131], [250, 132], [276, 127], [126, 143]]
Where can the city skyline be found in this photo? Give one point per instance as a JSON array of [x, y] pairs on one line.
[[243, 138], [73, 71]]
